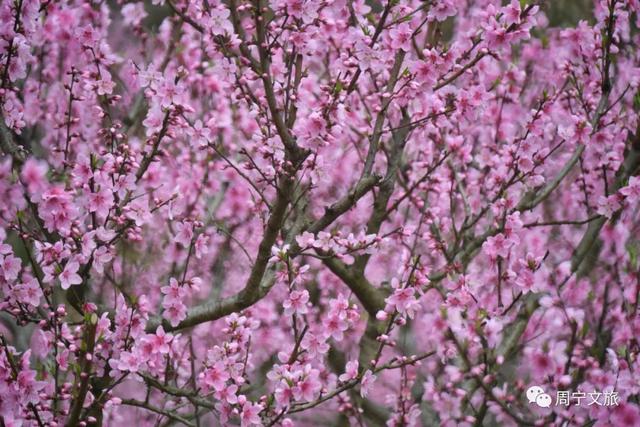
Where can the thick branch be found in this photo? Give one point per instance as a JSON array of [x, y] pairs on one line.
[[253, 291], [627, 169], [379, 213], [85, 375], [371, 297]]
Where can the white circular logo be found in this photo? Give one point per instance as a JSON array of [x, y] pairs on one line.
[[535, 394]]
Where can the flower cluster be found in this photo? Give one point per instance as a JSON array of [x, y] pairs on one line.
[[305, 212]]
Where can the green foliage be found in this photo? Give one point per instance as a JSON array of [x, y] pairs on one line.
[[567, 13]]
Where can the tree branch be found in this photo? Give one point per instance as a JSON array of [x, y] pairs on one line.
[[253, 291], [8, 144]]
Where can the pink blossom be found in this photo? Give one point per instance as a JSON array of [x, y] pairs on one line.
[[133, 13], [169, 92], [607, 206], [28, 385], [314, 344], [57, 210], [34, 176], [301, 9], [129, 362], [248, 198], [218, 20], [305, 240], [101, 257], [512, 12], [497, 36], [632, 190], [201, 135], [29, 292], [283, 394], [201, 246], [308, 386], [101, 202], [367, 383], [184, 233], [9, 267], [153, 121], [425, 71], [69, 275], [626, 414], [174, 311], [296, 303], [174, 291], [160, 341], [404, 301], [250, 414], [351, 371], [62, 359], [227, 393], [441, 10], [335, 327], [400, 37], [497, 246], [215, 377], [105, 86], [541, 364]]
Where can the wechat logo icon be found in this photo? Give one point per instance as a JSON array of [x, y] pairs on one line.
[[535, 394]]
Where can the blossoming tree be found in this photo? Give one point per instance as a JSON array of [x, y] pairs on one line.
[[318, 212]]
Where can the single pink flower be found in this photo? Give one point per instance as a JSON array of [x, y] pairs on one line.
[[69, 275]]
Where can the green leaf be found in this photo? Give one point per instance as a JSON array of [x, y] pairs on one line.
[[633, 255], [636, 101], [545, 41], [585, 329], [622, 351]]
